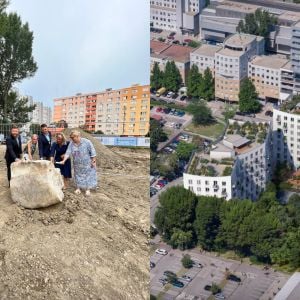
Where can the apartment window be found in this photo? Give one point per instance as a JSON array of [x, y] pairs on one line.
[[190, 181]]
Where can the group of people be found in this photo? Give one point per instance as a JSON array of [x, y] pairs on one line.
[[58, 152]]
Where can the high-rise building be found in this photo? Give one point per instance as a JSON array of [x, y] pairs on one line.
[[114, 112], [177, 15], [295, 56], [41, 114], [232, 63]]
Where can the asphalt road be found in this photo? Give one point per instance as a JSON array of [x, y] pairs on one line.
[[273, 4]]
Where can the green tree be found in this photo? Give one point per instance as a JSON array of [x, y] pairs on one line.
[[193, 44], [207, 221], [172, 77], [16, 60], [157, 134], [3, 5], [232, 215], [208, 92], [201, 113], [157, 76], [186, 261], [184, 150], [215, 289], [181, 239], [193, 82], [17, 109], [248, 97], [176, 211], [260, 23]]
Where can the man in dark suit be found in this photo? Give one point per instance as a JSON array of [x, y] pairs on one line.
[[13, 149], [45, 142]]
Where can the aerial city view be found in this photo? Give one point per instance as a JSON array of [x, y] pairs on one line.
[[225, 149]]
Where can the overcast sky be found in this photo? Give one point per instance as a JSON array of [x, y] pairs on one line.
[[85, 45]]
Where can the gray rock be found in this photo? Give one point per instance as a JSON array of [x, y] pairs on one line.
[[36, 184]]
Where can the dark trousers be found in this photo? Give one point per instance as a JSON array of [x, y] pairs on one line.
[[8, 164]]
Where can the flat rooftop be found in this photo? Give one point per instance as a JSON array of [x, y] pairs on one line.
[[236, 140], [240, 7], [157, 46], [202, 166], [175, 52], [207, 50], [221, 148], [229, 52], [291, 289], [240, 39], [289, 16], [269, 61]]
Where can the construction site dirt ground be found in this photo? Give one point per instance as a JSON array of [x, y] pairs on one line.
[[83, 248]]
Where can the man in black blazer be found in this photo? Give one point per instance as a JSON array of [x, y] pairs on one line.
[[45, 142], [13, 149]]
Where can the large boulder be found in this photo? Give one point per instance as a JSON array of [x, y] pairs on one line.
[[36, 184]]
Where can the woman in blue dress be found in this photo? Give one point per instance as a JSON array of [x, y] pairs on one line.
[[84, 162], [58, 151]]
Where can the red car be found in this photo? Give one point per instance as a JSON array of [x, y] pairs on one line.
[[159, 109], [171, 37], [188, 40]]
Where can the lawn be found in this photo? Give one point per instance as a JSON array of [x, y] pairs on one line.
[[212, 131]]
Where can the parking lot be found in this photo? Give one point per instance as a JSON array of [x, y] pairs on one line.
[[256, 283], [170, 118]]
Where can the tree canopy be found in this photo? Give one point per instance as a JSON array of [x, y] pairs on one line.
[[248, 97], [157, 77], [258, 23], [172, 77], [16, 59], [266, 230], [201, 113]]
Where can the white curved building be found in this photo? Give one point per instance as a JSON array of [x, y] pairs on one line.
[[249, 166]]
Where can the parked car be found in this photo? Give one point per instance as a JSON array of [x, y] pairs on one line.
[[176, 42], [219, 296], [186, 278], [182, 98], [178, 283], [233, 277], [197, 264], [188, 40], [160, 92], [152, 264], [207, 287], [172, 33], [163, 280], [170, 94], [161, 251], [174, 96], [167, 110], [269, 113], [159, 109], [170, 37], [169, 273]]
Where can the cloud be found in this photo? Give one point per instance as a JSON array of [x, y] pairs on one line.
[[85, 45]]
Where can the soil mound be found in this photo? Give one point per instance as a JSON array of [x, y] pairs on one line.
[[106, 158]]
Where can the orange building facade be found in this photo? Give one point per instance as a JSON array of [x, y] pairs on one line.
[[123, 112]]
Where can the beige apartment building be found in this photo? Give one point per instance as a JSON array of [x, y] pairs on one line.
[[231, 64], [123, 112], [265, 73], [204, 57]]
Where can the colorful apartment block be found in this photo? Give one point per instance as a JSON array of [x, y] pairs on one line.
[[123, 112]]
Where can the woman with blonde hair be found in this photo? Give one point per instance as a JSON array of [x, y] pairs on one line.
[[30, 147], [58, 151], [84, 162]]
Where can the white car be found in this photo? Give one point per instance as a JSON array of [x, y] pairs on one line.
[[161, 251], [186, 278], [170, 94]]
